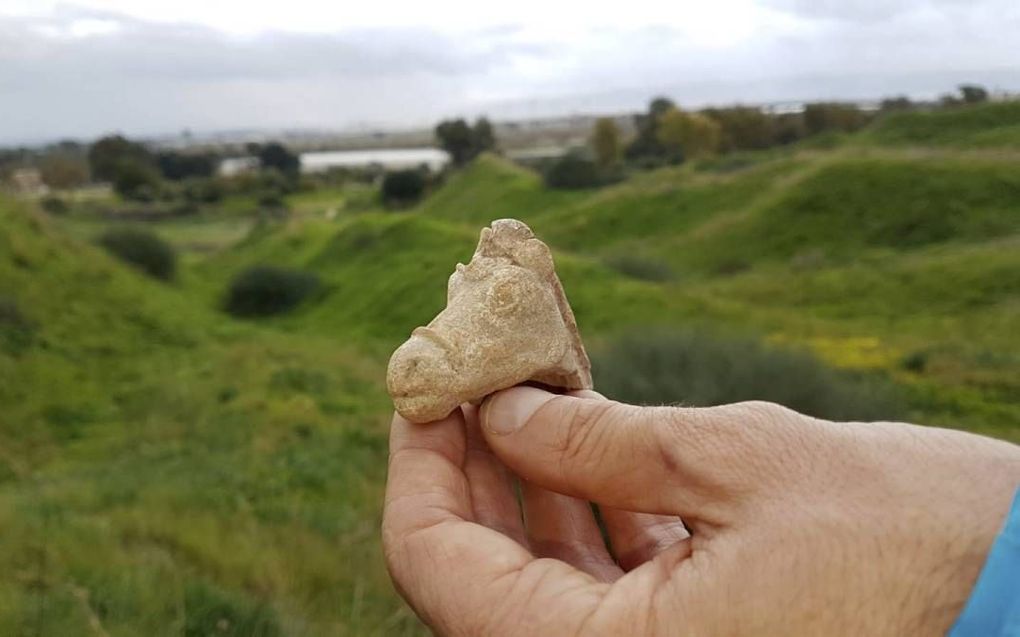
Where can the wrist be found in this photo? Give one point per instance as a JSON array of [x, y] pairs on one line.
[[993, 608]]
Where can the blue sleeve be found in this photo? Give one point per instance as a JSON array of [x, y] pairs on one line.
[[993, 609]]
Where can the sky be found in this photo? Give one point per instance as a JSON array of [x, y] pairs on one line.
[[149, 67]]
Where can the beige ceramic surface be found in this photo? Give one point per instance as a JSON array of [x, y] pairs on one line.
[[506, 321]]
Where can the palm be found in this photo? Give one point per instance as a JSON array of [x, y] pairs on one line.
[[448, 492]]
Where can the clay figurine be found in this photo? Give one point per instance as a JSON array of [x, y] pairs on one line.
[[506, 321]]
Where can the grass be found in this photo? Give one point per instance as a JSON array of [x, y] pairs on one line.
[[993, 125], [166, 469]]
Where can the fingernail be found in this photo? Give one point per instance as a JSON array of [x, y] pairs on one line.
[[507, 411]]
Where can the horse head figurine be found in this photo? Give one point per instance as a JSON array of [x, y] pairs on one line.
[[506, 321]]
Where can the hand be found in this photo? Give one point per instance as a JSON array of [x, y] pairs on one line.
[[798, 526]]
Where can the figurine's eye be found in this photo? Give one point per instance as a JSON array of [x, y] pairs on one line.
[[504, 296]]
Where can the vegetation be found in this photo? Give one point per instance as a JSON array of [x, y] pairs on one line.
[[168, 469], [264, 290], [465, 142], [698, 369], [573, 171], [688, 135], [605, 142], [402, 187], [142, 249]]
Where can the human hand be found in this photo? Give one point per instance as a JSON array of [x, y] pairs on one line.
[[798, 526]]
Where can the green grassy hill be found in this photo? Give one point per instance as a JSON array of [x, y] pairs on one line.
[[992, 125], [166, 469]]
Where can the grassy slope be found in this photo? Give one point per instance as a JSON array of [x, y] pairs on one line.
[[868, 258], [165, 471], [986, 126]]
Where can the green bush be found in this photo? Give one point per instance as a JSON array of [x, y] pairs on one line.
[[639, 267], [142, 249], [264, 290], [54, 205], [575, 172], [403, 187], [662, 367]]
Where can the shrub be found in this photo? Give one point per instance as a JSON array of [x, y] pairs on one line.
[[136, 181], [403, 186], [54, 205], [574, 172], [658, 367], [142, 249], [203, 190], [639, 267], [264, 290]]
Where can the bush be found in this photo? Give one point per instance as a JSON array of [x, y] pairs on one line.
[[142, 249], [54, 205], [264, 290], [403, 187], [661, 367], [136, 181], [203, 190], [575, 172], [639, 267]]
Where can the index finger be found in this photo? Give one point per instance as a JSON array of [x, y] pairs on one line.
[[459, 576]]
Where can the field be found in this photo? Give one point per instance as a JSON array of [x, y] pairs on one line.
[[166, 469]]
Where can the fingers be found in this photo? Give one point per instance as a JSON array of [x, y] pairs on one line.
[[461, 577], [686, 462], [638, 537], [564, 528], [493, 499]]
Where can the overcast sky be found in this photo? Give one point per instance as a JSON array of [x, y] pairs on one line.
[[144, 67]]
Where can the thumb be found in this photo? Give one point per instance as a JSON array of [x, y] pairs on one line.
[[682, 461]]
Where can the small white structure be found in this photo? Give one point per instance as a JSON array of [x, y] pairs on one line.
[[233, 166], [28, 181], [388, 158]]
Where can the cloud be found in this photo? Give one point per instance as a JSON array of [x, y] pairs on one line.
[[84, 72], [88, 72], [870, 11]]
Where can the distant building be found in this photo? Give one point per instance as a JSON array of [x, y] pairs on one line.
[[233, 166], [28, 181], [387, 158]]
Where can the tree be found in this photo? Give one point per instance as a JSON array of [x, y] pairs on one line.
[[646, 144], [973, 94], [825, 116], [275, 155], [484, 137], [900, 103], [456, 138], [743, 128], [135, 180], [108, 154], [179, 166], [693, 134], [605, 142], [61, 171]]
